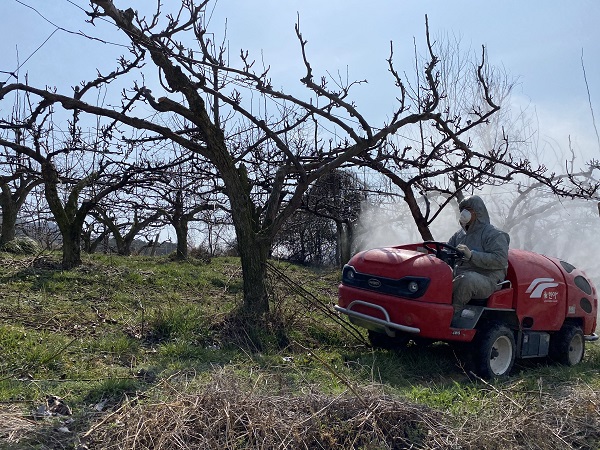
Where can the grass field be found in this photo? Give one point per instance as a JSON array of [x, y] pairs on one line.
[[144, 353]]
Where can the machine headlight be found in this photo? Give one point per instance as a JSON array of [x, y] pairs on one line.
[[413, 286], [349, 273]]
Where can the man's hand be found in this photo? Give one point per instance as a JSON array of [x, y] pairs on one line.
[[465, 251]]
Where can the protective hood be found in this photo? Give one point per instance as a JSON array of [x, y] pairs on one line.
[[488, 244], [476, 204]]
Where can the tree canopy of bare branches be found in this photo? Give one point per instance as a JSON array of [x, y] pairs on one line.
[[266, 145]]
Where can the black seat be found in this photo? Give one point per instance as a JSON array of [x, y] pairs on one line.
[[478, 301]]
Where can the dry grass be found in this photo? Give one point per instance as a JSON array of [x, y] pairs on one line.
[[227, 414], [555, 417], [13, 424]]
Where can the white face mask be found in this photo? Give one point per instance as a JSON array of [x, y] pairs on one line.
[[465, 218]]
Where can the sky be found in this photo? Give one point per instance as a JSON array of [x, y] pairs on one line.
[[544, 45]]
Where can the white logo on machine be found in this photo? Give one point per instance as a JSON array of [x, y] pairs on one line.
[[537, 287]]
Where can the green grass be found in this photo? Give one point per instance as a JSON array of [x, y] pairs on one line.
[[118, 327]]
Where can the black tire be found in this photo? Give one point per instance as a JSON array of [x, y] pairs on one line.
[[494, 351], [567, 346], [422, 342], [382, 340]]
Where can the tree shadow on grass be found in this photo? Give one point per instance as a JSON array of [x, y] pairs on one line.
[[405, 367]]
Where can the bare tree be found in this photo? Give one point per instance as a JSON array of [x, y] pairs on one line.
[[14, 192], [36, 221], [19, 175], [124, 223], [322, 231], [307, 238], [214, 232], [93, 233], [266, 145], [76, 174], [183, 192], [475, 144], [261, 196]]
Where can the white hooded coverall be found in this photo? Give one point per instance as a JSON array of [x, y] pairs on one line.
[[478, 277]]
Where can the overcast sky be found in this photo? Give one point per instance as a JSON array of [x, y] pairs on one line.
[[540, 43]]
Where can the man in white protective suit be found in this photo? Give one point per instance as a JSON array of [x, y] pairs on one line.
[[485, 254]]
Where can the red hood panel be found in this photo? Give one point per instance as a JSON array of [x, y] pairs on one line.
[[395, 263]]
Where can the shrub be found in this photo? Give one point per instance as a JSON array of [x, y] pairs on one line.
[[22, 246]]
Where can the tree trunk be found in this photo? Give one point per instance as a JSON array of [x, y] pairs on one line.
[[11, 204], [9, 221], [254, 252], [180, 223], [71, 247], [92, 245], [253, 242], [69, 225], [154, 245], [345, 237], [417, 215], [123, 244], [181, 231], [124, 249]]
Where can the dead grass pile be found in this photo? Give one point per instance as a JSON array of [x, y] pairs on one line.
[[555, 417], [228, 415]]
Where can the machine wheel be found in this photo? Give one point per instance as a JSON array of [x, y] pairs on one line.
[[422, 342], [382, 340], [494, 352], [567, 346]]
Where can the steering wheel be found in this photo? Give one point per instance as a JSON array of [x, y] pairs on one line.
[[447, 253]]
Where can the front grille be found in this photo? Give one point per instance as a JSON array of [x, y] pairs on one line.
[[397, 287]]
